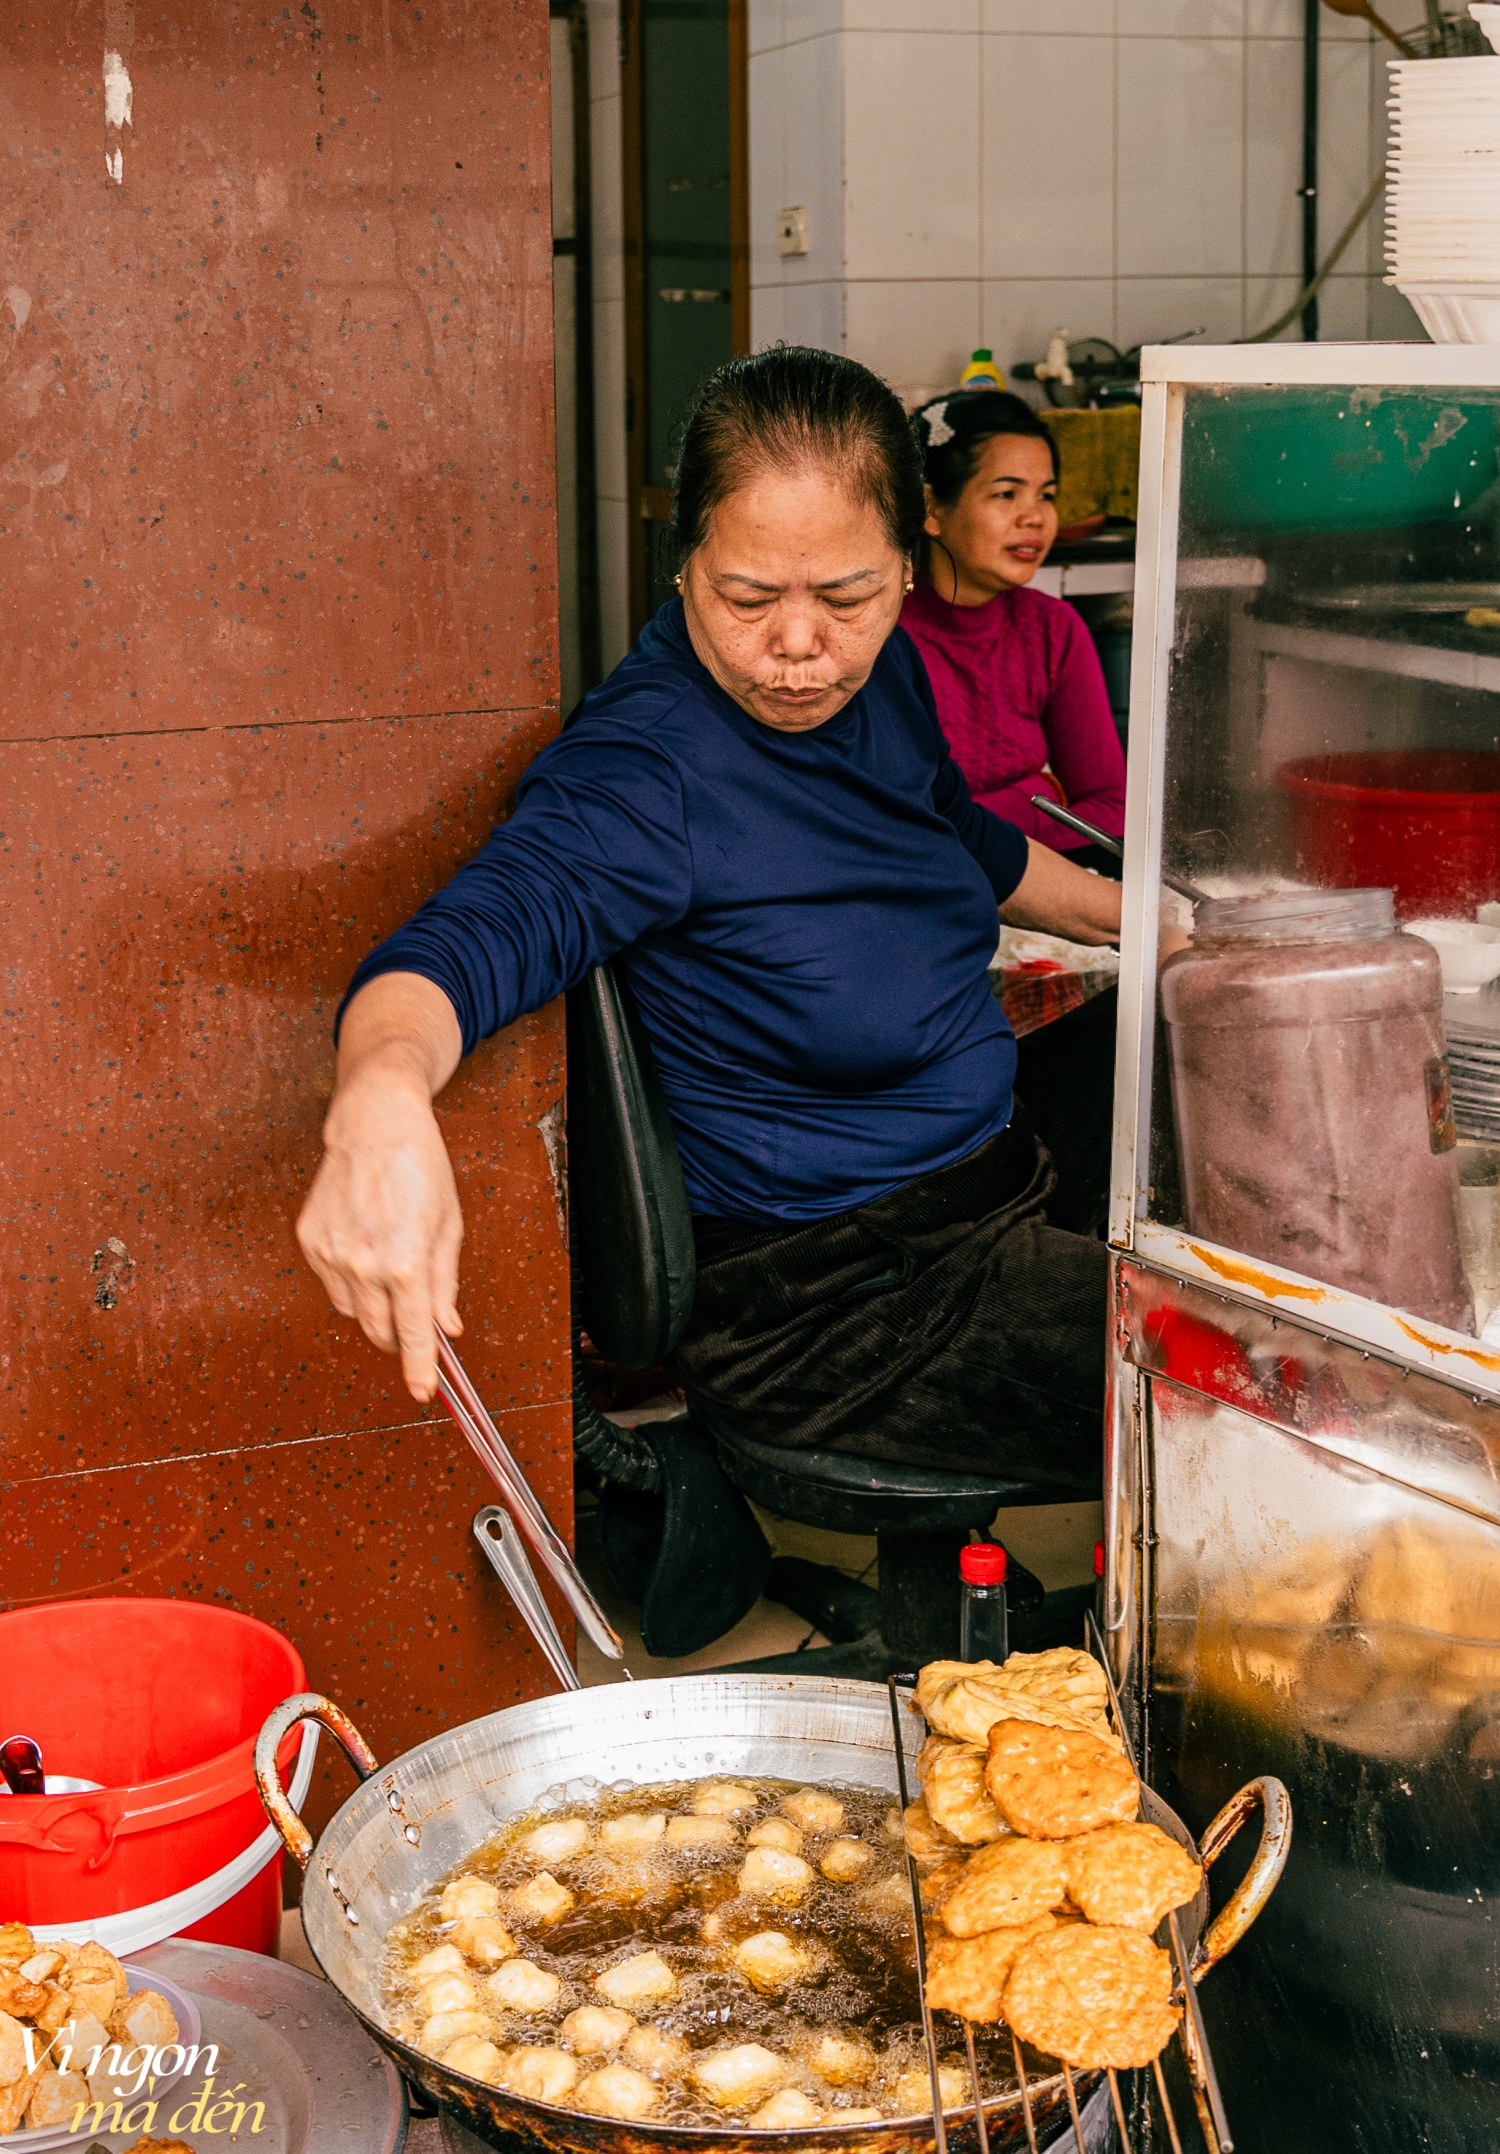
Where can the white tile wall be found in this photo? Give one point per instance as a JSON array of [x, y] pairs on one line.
[[1123, 168]]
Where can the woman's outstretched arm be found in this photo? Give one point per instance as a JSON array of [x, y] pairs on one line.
[[381, 1226], [1062, 899]]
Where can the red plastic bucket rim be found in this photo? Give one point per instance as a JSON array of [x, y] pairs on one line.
[[1313, 774]]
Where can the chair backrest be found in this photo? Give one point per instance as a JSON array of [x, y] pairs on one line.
[[628, 1206]]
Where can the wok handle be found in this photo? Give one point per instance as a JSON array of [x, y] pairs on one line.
[[306, 1705], [1229, 1925]]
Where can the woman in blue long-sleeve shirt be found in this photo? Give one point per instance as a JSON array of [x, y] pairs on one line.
[[758, 814]]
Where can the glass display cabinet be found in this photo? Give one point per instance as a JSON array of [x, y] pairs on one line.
[[1303, 1506]]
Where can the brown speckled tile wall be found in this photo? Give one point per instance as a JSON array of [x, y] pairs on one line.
[[278, 637]]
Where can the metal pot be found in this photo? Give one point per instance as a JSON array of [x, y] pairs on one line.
[[419, 1817]]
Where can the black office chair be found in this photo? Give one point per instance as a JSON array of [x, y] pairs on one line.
[[635, 1270]]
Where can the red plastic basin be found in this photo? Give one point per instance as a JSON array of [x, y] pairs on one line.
[[1422, 822], [159, 1701]]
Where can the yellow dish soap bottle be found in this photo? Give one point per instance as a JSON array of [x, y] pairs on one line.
[[982, 372]]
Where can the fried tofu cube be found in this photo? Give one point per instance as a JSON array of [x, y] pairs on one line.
[[89, 1968], [12, 2050], [16, 2099], [561, 1839], [443, 2029], [542, 1900], [81, 2039], [845, 1860], [42, 1965], [775, 1832], [476, 2058], [723, 1798], [842, 2058], [469, 1896], [911, 2094], [813, 1809], [771, 1962], [636, 1833], [484, 1939], [594, 2030], [699, 1832], [447, 1992], [145, 2017], [55, 2099], [617, 2091], [738, 2078], [540, 2074], [769, 1874], [788, 2111], [21, 1997], [522, 1986], [644, 1979], [16, 1944], [653, 2051]]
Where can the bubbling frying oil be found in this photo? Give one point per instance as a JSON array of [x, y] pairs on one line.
[[707, 1952]]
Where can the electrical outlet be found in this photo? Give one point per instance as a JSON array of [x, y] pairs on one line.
[[791, 230]]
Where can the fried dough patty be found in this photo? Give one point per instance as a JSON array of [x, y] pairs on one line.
[[1092, 1996], [1055, 1783]]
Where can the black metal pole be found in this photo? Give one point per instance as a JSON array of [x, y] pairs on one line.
[[1309, 188]]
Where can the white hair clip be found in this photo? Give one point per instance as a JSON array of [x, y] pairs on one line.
[[939, 432]]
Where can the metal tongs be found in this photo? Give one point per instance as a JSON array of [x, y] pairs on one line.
[[506, 1554], [1179, 883]]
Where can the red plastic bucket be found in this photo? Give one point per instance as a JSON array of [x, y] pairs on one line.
[[160, 1702], [1422, 822]]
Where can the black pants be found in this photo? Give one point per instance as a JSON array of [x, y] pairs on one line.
[[1065, 1079], [948, 1324]]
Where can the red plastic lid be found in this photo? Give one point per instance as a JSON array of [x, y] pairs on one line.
[[1098, 1559], [982, 1563]]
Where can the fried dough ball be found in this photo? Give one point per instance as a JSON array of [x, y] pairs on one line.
[[911, 2094], [539, 2075], [442, 1959], [723, 1798], [842, 2058], [483, 1939], [522, 1986], [854, 2116], [1092, 1996], [1128, 1876], [595, 2029], [1010, 1882], [633, 1834], [443, 2029], [653, 2051], [926, 1841], [952, 1777], [740, 2077], [146, 2017], [616, 2091], [644, 1979], [968, 1975], [769, 1874], [561, 1839], [789, 2111], [775, 1832], [813, 1810], [845, 1860], [888, 1896], [542, 1899], [12, 2050], [1055, 1783], [447, 1993], [476, 2058], [468, 1896], [55, 2098], [771, 1962], [699, 1832]]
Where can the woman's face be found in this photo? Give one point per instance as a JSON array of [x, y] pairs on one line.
[[791, 595], [1000, 529]]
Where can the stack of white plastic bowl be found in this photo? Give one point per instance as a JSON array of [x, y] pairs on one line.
[[1442, 231]]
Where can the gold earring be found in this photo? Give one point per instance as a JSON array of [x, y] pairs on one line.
[[677, 579], [909, 584]]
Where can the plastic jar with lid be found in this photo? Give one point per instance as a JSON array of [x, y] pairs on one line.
[[1310, 1092]]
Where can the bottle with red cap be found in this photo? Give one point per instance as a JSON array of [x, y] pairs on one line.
[[984, 1619], [1099, 1585]]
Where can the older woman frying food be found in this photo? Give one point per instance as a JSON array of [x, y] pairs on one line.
[[758, 815]]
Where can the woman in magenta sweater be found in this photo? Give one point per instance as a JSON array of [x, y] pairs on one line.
[[1018, 685]]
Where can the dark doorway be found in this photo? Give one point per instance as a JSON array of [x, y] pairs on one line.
[[687, 270]]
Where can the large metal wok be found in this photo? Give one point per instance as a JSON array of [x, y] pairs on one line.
[[415, 1819]]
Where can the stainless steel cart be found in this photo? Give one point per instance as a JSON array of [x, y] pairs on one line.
[[1303, 1497]]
